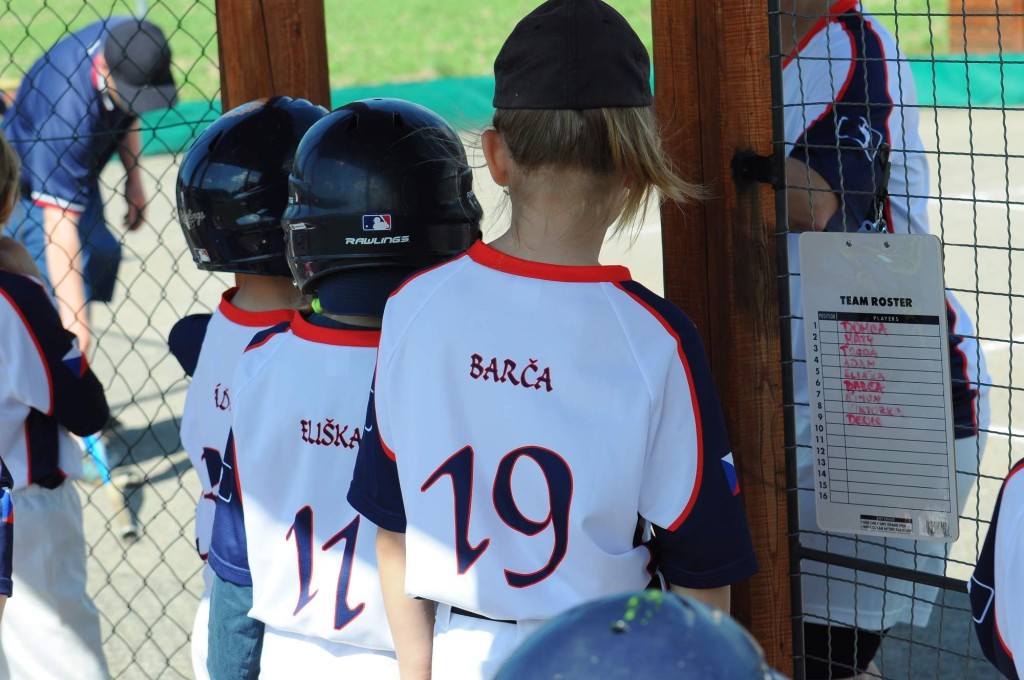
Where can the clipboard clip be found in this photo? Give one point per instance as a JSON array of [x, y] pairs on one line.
[[876, 221]]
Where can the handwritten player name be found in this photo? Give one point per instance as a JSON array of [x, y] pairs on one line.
[[876, 301], [863, 383]]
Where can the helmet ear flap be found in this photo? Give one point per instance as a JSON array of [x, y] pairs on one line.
[[378, 183], [232, 184]]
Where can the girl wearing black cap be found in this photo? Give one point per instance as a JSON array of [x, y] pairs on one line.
[[544, 430]]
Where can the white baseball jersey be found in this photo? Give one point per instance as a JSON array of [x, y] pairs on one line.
[[300, 403], [848, 90], [207, 416], [997, 586], [532, 422], [46, 388]]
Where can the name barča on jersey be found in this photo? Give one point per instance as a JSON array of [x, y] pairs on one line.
[[530, 375], [330, 433]]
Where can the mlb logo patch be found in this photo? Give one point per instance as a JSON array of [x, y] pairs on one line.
[[202, 255], [730, 474], [74, 360], [376, 222]]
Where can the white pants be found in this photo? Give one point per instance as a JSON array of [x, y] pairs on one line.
[[51, 628], [865, 600], [468, 648], [201, 628], [288, 655]]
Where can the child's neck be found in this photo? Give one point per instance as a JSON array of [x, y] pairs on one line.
[[258, 293], [559, 219]]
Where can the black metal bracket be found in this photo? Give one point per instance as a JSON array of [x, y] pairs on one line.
[[748, 166]]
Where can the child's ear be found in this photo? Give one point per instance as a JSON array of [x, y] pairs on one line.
[[496, 155]]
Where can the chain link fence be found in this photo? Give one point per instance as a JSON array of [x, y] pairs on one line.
[[143, 573], [967, 60], [954, 82]]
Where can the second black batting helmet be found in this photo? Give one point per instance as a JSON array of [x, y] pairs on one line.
[[233, 185], [378, 183]]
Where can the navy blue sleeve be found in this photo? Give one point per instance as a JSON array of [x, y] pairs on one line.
[[228, 556], [710, 545], [77, 399], [375, 491], [186, 339], [843, 144]]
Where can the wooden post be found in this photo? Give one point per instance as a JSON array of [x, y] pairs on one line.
[[272, 47], [713, 95]]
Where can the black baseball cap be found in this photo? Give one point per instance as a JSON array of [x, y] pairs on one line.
[[572, 54], [140, 62]]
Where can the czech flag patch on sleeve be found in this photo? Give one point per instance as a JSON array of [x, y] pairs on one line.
[[75, 360], [730, 474]]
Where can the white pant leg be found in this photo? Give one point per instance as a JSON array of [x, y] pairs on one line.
[[201, 627], [469, 648], [288, 655], [865, 600], [51, 628]]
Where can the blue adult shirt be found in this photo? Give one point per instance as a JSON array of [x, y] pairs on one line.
[[63, 123]]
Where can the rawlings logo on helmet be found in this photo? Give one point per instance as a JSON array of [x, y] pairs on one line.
[[191, 218], [376, 240]]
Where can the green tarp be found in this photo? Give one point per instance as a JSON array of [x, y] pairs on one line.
[[466, 102]]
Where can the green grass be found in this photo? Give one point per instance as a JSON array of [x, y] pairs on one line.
[[918, 33], [425, 39], [367, 42], [29, 27]]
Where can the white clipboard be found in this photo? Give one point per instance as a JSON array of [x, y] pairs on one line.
[[874, 312]]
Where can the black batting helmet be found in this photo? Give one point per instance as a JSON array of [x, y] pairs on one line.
[[378, 183], [233, 185]]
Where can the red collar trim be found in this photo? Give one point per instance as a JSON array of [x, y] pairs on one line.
[[254, 319], [840, 7], [482, 253], [333, 336]]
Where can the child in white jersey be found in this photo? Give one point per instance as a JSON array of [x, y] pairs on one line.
[[561, 414], [232, 189], [997, 585], [299, 395]]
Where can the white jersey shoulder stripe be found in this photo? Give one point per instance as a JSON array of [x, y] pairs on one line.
[[694, 401]]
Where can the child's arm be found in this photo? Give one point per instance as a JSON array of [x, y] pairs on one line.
[[64, 263], [49, 370], [411, 620], [130, 150]]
